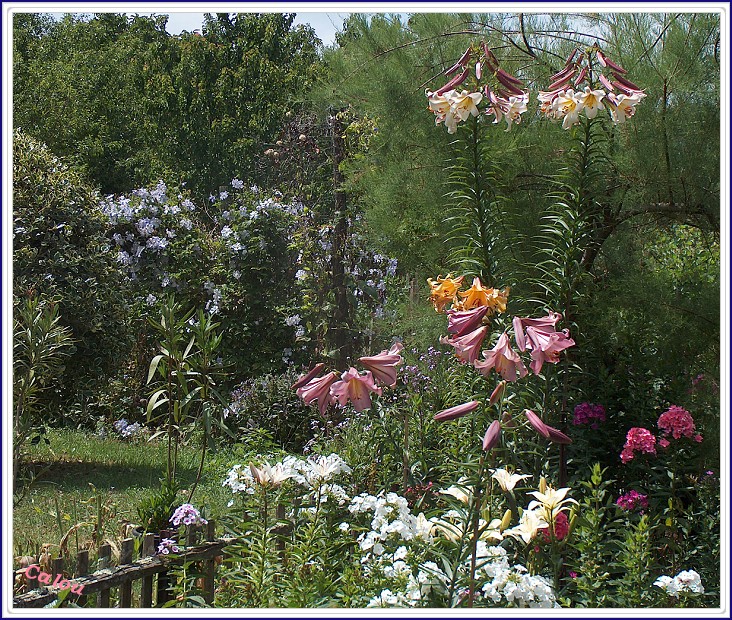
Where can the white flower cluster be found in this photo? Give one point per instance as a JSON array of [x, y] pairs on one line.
[[503, 584], [687, 581], [312, 473], [391, 515], [513, 584]]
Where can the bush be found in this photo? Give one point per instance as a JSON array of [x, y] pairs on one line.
[[60, 253]]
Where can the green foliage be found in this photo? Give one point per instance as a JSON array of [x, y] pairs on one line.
[[140, 103], [40, 345], [60, 252], [155, 510]]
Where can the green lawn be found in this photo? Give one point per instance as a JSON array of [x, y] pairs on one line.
[[82, 476]]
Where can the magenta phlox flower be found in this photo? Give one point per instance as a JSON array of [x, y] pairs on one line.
[[632, 500], [677, 422], [505, 360], [319, 389], [461, 322], [638, 440], [588, 413], [467, 347], [383, 366], [355, 387]]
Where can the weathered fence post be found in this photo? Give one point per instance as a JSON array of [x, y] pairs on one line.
[[125, 557], [82, 568], [146, 587], [209, 568], [105, 559]]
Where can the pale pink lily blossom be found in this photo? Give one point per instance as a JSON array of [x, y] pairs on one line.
[[467, 347], [355, 387], [318, 389], [307, 377], [547, 347], [461, 322], [504, 359], [383, 366]]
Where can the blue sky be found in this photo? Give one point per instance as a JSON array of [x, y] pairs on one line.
[[324, 24]]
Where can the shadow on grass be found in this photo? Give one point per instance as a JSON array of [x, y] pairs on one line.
[[74, 475]]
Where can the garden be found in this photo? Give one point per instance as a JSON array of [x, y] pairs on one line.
[[428, 317]]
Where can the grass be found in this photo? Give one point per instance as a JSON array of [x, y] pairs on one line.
[[87, 480]]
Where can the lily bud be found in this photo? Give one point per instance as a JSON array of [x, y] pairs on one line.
[[542, 485], [478, 71], [536, 423], [558, 436], [506, 521], [492, 435], [507, 420], [497, 393], [456, 412], [308, 376]]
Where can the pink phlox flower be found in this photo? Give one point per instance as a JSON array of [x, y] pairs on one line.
[[664, 443], [677, 422], [355, 387], [467, 347], [383, 366], [561, 528], [638, 439], [319, 389], [504, 359]]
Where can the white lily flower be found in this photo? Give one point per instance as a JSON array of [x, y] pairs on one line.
[[269, 476], [439, 104], [624, 107], [569, 107], [551, 502], [458, 491], [507, 480], [516, 106], [465, 104], [530, 523], [591, 101]]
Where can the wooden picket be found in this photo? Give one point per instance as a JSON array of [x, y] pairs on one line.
[[150, 570]]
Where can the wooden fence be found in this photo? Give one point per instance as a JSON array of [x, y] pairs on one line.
[[117, 583]]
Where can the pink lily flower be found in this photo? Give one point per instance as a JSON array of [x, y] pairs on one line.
[[456, 412], [383, 366], [545, 324], [318, 389], [504, 359], [492, 435], [467, 347], [460, 322], [355, 387], [304, 379], [547, 347], [537, 423]]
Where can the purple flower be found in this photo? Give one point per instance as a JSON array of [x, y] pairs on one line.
[[166, 546], [186, 514]]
